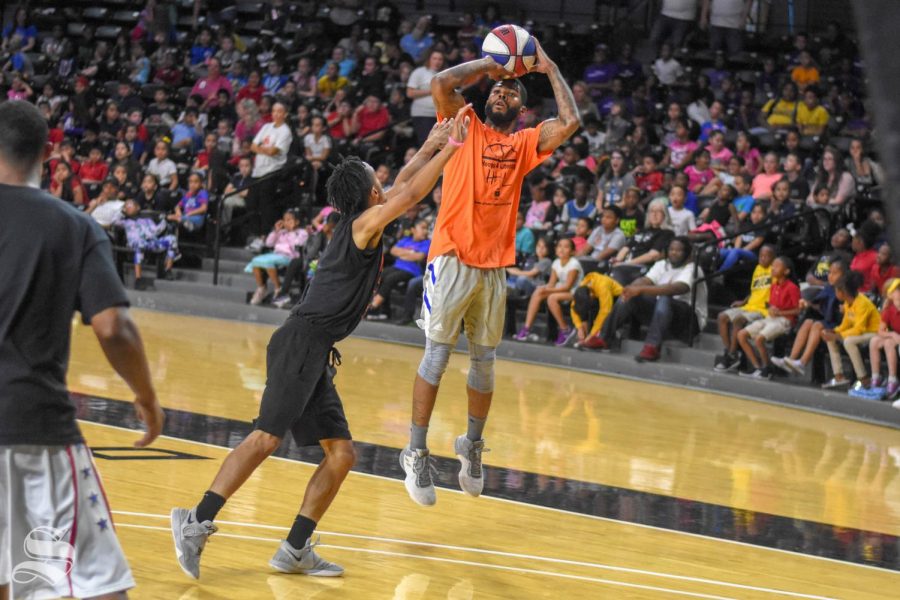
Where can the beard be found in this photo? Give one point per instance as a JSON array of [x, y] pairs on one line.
[[501, 118]]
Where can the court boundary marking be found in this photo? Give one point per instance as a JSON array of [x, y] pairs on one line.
[[562, 561], [486, 566], [540, 507]]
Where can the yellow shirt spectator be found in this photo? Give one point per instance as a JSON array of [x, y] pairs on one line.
[[860, 316], [781, 112], [327, 85], [812, 121], [760, 284]]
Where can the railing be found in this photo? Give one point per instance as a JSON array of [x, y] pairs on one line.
[[803, 214], [291, 165]]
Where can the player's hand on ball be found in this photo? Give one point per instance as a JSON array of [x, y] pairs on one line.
[[461, 124], [440, 132], [543, 64]]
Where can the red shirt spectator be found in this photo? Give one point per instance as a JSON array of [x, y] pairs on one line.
[[863, 263], [651, 182], [785, 295], [372, 116], [880, 274], [890, 316], [94, 171], [251, 91]]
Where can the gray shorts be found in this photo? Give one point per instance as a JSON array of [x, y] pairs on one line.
[[770, 328], [456, 294], [57, 531]]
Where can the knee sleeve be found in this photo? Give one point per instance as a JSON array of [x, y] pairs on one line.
[[481, 368], [434, 362]]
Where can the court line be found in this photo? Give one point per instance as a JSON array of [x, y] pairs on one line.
[[540, 507], [469, 563], [561, 561]]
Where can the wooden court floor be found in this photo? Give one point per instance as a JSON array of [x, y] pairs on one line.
[[607, 478]]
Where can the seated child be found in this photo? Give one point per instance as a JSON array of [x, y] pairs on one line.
[[592, 302], [287, 236], [858, 326], [783, 308], [190, 213], [143, 235], [887, 339], [747, 244], [750, 309]]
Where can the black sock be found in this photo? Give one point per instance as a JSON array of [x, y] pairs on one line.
[[301, 531], [209, 506]]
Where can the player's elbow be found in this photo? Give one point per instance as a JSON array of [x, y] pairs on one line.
[[112, 324], [571, 124]]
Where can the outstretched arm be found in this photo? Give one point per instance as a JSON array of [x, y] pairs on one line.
[[368, 227], [436, 140], [556, 131], [445, 85]]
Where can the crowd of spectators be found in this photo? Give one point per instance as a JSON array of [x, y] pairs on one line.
[[701, 167]]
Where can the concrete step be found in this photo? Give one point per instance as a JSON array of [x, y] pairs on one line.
[[241, 280], [220, 293], [238, 254], [225, 265]]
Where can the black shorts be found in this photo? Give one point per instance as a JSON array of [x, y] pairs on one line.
[[300, 396]]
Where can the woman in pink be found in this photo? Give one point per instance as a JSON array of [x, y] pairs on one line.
[[751, 156], [831, 175], [766, 180], [681, 148], [699, 174], [248, 125]]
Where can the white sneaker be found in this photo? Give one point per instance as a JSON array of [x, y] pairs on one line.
[[256, 245], [190, 538], [418, 468], [258, 296], [305, 561], [795, 365], [896, 404], [835, 383], [471, 474]]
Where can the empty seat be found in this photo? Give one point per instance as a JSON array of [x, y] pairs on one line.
[[125, 16], [95, 13], [108, 32], [75, 29]]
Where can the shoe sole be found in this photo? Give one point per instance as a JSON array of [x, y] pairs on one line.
[[287, 570], [178, 553], [408, 484], [462, 475]]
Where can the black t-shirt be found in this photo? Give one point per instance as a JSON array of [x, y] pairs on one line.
[[719, 212], [651, 239], [346, 279], [54, 260], [799, 190]]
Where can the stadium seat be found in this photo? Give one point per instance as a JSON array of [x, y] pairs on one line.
[[108, 32], [128, 17], [95, 14]]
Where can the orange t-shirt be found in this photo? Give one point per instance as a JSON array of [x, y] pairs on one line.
[[482, 186]]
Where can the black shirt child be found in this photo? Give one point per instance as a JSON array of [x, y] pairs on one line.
[[54, 260]]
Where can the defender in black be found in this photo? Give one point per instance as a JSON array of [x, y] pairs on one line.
[[300, 396]]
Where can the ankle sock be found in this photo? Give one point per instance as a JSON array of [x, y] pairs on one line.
[[209, 506], [301, 531], [476, 428], [417, 437]]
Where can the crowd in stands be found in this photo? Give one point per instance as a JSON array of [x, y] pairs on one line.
[[702, 169]]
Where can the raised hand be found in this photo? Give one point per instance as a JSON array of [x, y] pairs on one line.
[[440, 132], [461, 124], [542, 63]]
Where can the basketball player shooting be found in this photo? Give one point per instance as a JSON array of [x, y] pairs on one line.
[[300, 396], [473, 242]]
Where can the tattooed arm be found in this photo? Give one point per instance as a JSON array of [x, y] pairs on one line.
[[556, 131], [446, 85]]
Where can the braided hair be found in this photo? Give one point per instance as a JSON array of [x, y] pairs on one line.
[[349, 186]]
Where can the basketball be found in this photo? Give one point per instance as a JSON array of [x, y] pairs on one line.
[[512, 47]]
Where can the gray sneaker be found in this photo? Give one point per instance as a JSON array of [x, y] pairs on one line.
[[190, 538], [471, 475], [418, 468], [305, 562]]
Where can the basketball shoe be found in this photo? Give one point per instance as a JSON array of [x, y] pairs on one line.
[[471, 475], [305, 561], [418, 468], [190, 538]]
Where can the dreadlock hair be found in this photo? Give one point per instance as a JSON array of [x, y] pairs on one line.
[[349, 186]]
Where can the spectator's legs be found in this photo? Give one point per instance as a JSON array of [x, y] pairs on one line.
[[390, 278], [553, 305], [622, 313], [679, 30], [270, 206], [717, 38], [851, 345], [294, 273], [731, 256], [734, 39], [584, 310], [276, 280], [834, 353], [725, 328], [663, 29], [414, 290], [890, 351], [534, 305], [875, 347], [422, 126], [744, 340], [662, 319], [814, 337], [253, 216], [760, 343]]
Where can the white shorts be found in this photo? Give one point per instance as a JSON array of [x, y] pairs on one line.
[[456, 293], [57, 531], [748, 315], [770, 328]]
